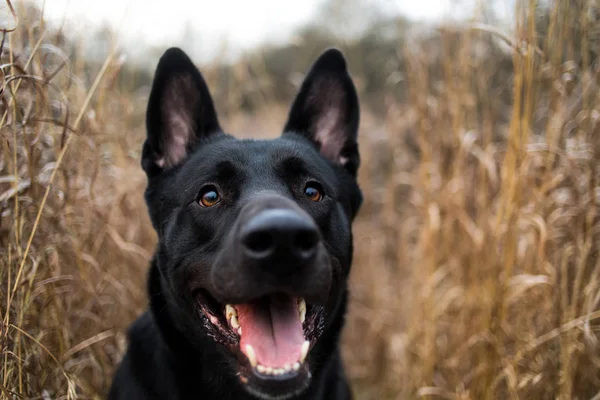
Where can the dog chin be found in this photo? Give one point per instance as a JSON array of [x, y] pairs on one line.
[[263, 393]]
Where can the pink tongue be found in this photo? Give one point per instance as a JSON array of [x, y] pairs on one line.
[[272, 327]]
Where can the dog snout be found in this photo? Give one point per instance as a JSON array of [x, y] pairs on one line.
[[280, 235]]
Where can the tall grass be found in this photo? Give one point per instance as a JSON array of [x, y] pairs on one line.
[[477, 268]]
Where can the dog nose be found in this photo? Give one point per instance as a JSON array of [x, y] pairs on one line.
[[281, 234]]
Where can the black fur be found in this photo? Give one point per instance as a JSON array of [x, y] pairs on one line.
[[174, 351]]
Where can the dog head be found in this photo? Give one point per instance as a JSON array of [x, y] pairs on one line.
[[255, 244]]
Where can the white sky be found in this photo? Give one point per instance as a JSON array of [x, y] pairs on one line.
[[240, 23]]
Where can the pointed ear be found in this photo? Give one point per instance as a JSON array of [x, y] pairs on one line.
[[326, 111], [180, 112]]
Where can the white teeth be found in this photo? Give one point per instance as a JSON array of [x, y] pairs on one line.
[[302, 309], [304, 351], [251, 355], [287, 368], [230, 311], [232, 317], [234, 322]]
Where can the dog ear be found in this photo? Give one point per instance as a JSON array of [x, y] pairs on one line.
[[180, 112], [326, 111]]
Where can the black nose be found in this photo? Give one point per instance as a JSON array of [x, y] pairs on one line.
[[282, 234]]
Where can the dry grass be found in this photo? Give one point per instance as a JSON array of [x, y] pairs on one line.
[[477, 268]]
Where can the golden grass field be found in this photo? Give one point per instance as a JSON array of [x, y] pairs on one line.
[[477, 268]]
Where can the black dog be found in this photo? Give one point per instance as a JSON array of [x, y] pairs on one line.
[[248, 285]]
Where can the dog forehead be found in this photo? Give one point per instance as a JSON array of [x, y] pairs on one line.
[[256, 155]]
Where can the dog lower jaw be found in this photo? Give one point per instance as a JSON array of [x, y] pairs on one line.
[[283, 396]]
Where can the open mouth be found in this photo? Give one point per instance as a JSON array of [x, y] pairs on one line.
[[271, 336]]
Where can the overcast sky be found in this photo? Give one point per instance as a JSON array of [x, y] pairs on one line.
[[241, 23]]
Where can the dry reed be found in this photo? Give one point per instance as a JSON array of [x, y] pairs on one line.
[[476, 273]]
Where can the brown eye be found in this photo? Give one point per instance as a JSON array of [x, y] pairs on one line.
[[209, 196], [313, 191]]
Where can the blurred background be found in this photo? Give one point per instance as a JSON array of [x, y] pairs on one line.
[[477, 268]]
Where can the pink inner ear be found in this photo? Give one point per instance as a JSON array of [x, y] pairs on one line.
[[179, 102], [327, 98], [330, 134]]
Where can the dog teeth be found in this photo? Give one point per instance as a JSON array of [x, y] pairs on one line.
[[287, 368], [230, 310], [302, 309], [234, 322], [251, 356], [232, 317], [304, 351]]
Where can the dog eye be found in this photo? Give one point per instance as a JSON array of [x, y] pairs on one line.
[[313, 191], [209, 196]]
